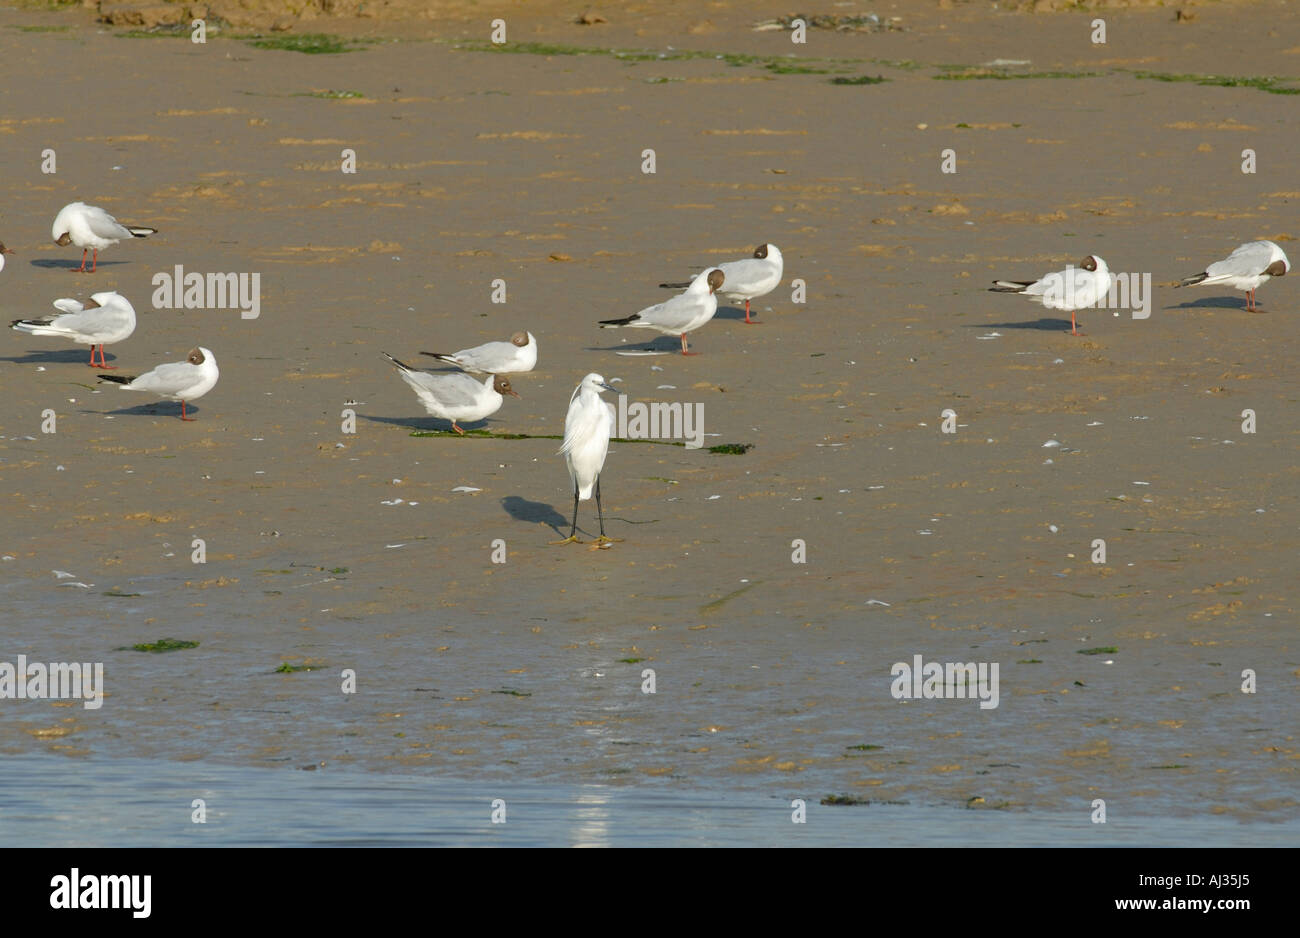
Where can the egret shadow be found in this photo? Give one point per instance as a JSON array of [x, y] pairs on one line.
[[521, 509], [57, 263], [70, 356]]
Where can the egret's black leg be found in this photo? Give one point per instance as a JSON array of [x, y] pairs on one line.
[[573, 529], [600, 515]]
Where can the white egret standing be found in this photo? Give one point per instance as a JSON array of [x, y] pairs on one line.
[[587, 429]]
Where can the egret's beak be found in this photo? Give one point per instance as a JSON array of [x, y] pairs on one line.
[[608, 388]]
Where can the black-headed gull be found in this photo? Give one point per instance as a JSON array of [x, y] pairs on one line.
[[91, 228], [682, 314], [1248, 268], [102, 320], [455, 397], [750, 278], [3, 251], [1068, 290], [176, 381], [588, 426], [495, 358]]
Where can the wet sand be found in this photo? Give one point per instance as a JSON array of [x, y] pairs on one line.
[[474, 166]]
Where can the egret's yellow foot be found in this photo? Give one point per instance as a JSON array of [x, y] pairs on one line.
[[571, 539]]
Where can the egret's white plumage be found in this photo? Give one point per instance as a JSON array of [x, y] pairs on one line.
[[682, 314], [588, 425], [89, 227], [1247, 268], [102, 320], [1068, 290], [752, 277], [457, 396], [495, 358], [176, 381]]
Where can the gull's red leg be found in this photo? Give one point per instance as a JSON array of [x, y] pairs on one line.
[[82, 268], [94, 262], [102, 364], [457, 429], [747, 319], [183, 417], [684, 352]]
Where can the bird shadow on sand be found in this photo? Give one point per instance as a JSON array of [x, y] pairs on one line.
[[1212, 302], [663, 343], [58, 263], [1043, 325], [55, 357], [426, 423], [153, 409], [521, 509], [733, 313]]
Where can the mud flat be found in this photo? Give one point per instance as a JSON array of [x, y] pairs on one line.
[[327, 550]]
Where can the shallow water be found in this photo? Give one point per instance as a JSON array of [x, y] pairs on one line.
[[54, 801]]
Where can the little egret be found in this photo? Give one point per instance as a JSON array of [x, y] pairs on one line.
[[587, 429]]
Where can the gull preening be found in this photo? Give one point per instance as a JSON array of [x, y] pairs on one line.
[[91, 228], [587, 428], [1248, 268], [176, 381], [3, 251], [102, 320], [750, 278], [455, 397], [495, 358], [1068, 290], [682, 314]]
